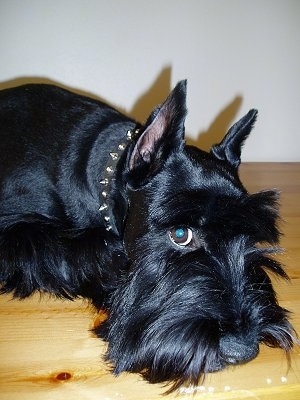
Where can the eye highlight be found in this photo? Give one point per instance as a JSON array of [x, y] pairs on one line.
[[181, 236]]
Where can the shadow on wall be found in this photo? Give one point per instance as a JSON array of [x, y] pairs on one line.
[[160, 89], [156, 94], [219, 126]]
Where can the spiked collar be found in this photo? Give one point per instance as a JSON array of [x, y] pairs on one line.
[[109, 177]]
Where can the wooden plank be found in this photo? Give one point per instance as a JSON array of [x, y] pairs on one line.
[[47, 349]]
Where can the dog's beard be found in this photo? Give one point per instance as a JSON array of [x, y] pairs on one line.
[[177, 320]]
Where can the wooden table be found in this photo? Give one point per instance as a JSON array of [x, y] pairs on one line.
[[48, 352]]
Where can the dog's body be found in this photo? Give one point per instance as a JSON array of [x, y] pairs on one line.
[[161, 234], [54, 151]]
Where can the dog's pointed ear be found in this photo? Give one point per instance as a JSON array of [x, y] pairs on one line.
[[230, 147], [163, 133]]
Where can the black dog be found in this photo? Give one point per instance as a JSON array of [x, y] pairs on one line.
[[161, 234]]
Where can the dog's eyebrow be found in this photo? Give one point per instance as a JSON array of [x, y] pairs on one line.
[[198, 198], [199, 204]]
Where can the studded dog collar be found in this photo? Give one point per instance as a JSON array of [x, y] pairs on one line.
[[108, 177]]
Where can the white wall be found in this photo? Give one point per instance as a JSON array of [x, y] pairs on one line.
[[236, 54]]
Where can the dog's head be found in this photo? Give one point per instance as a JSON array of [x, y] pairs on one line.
[[197, 296]]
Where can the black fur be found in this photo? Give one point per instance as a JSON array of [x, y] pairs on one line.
[[176, 309]]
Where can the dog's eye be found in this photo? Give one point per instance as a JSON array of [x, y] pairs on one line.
[[181, 236]]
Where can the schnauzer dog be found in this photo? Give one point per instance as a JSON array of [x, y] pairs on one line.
[[162, 235]]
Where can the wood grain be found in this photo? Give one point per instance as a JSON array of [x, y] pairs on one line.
[[47, 350]]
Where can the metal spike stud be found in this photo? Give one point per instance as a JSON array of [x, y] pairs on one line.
[[104, 194], [122, 146], [104, 181], [114, 156], [106, 218], [129, 135], [103, 207], [110, 170]]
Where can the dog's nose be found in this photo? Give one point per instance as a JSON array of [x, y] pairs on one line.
[[237, 350]]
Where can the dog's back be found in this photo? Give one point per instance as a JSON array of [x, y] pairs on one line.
[[48, 136]]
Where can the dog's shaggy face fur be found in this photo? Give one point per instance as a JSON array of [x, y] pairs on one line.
[[178, 252]]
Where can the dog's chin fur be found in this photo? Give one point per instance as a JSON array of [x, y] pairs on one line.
[[184, 314], [72, 224]]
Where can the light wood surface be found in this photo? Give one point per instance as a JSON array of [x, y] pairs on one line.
[[48, 352]]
